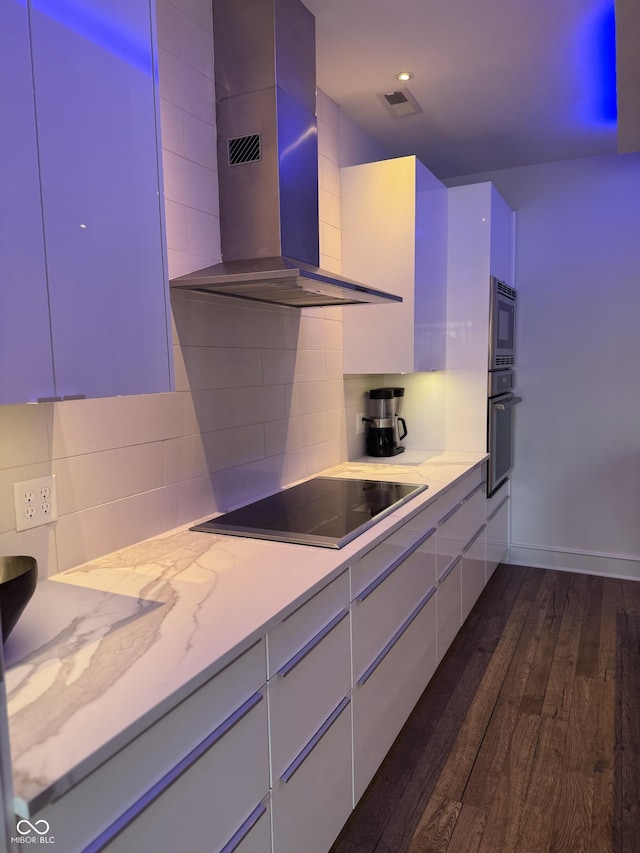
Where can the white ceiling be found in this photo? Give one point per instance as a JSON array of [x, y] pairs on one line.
[[501, 83]]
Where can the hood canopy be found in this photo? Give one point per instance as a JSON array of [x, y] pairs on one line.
[[268, 161]]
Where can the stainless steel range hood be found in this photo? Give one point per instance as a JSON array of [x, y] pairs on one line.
[[268, 161]]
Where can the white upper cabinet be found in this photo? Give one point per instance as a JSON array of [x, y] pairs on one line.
[[480, 244], [394, 238], [94, 81], [25, 340]]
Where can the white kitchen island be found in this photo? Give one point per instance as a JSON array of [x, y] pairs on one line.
[[123, 667]]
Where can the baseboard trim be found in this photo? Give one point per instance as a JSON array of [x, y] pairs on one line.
[[582, 562]]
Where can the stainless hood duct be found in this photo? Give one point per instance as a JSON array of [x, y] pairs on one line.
[[268, 161]]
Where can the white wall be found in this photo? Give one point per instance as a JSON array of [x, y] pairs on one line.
[[576, 483], [259, 399]]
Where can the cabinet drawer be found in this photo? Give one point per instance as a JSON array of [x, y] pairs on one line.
[[472, 571], [308, 685], [254, 836], [226, 778], [459, 491], [383, 702], [310, 808], [382, 556], [458, 525], [424, 519], [208, 803], [449, 605], [497, 535], [382, 607], [293, 634]]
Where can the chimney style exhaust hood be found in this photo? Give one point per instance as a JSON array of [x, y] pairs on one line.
[[264, 54]]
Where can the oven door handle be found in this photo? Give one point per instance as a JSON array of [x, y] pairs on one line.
[[508, 404]]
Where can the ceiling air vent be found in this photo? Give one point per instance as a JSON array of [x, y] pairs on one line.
[[400, 103], [244, 149]]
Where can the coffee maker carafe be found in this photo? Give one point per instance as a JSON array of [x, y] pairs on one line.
[[383, 430]]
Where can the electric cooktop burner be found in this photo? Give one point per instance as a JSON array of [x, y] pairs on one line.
[[324, 511]]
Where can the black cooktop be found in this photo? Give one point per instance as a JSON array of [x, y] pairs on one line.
[[324, 511]]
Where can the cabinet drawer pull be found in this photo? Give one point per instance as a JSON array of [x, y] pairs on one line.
[[473, 491], [315, 740], [449, 569], [375, 583], [385, 651], [313, 642], [473, 538], [451, 512], [130, 814], [239, 836], [498, 508]]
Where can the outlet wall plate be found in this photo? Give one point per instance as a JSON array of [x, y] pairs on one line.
[[35, 502]]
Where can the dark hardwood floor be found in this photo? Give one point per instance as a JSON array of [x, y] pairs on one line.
[[527, 738]]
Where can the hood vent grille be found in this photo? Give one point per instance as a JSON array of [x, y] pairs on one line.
[[264, 54], [245, 149]]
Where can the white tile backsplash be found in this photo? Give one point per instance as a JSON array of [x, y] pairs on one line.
[[196, 46], [329, 208], [320, 333], [329, 175], [239, 324], [90, 426], [224, 408], [168, 26], [172, 121], [203, 233], [330, 241], [176, 216], [99, 478], [197, 10], [200, 141], [24, 434], [295, 433], [190, 183], [185, 87], [219, 367]]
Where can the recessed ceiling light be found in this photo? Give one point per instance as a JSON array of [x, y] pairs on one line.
[[404, 75]]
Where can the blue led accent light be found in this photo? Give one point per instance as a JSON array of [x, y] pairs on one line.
[[596, 67], [605, 49], [98, 28]]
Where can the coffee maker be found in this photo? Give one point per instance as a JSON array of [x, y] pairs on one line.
[[384, 422]]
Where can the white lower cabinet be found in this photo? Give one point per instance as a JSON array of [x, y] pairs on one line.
[[472, 571], [393, 625], [211, 805], [189, 782], [449, 605], [385, 693], [310, 721], [312, 798], [254, 836], [456, 529], [497, 534]]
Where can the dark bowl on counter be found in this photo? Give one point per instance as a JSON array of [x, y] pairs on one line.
[[18, 580]]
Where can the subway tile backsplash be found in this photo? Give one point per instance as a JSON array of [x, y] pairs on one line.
[[259, 400]]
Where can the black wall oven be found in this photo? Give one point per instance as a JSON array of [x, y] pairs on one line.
[[502, 401]]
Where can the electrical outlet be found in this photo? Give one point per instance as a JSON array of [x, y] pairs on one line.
[[359, 423], [35, 502]]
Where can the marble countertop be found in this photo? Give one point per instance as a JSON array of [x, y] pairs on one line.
[[105, 649]]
